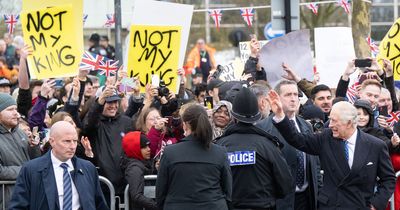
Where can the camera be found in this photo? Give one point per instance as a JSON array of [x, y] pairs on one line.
[[162, 89], [317, 125], [217, 72]]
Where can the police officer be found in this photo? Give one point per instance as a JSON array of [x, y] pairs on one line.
[[260, 173]]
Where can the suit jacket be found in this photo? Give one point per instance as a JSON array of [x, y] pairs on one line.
[[290, 154], [36, 188], [345, 188]]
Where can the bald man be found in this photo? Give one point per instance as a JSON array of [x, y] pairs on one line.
[[358, 171], [58, 179]]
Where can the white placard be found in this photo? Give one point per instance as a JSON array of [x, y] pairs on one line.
[[244, 48], [334, 48]]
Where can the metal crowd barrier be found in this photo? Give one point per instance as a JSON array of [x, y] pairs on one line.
[[3, 185], [149, 191], [392, 201]]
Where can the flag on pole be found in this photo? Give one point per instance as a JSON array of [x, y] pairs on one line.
[[393, 118], [110, 20], [90, 61], [372, 46], [11, 21], [216, 15], [345, 4], [248, 15], [352, 92], [313, 7], [108, 67], [84, 18]]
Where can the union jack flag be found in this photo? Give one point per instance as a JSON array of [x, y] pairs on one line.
[[248, 15], [216, 15], [393, 118], [110, 20], [313, 7], [108, 67], [90, 61], [345, 4], [372, 46], [11, 21], [352, 93], [84, 18]]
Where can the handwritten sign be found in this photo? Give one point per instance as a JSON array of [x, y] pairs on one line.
[[232, 70], [244, 48], [29, 5], [48, 31], [154, 50], [389, 48]]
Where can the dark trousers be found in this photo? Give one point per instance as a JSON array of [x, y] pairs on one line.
[[302, 200]]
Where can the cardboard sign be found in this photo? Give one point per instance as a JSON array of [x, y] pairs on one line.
[[389, 48], [147, 12], [154, 50], [49, 31], [232, 70], [293, 49], [244, 48], [29, 5], [334, 48]]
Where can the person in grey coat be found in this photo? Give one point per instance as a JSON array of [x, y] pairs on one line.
[[194, 173], [16, 148]]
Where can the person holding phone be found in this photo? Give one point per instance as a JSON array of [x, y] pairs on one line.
[[252, 69], [195, 173]]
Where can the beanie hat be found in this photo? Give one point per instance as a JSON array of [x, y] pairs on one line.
[[312, 112], [5, 101], [245, 106], [132, 142]]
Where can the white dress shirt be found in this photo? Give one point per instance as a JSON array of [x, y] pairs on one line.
[[351, 145], [59, 174]]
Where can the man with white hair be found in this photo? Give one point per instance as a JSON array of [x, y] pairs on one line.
[[358, 171]]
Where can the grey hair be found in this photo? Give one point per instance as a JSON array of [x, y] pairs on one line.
[[278, 87], [260, 90], [347, 112]]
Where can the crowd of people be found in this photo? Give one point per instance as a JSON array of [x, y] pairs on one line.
[[213, 145]]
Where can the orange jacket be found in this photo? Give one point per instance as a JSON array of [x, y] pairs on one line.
[[9, 74], [193, 59]]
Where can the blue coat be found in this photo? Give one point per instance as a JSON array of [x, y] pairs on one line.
[[36, 188]]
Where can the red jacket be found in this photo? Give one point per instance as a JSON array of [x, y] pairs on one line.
[[159, 139]]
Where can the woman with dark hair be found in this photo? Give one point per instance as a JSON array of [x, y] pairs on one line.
[[194, 173]]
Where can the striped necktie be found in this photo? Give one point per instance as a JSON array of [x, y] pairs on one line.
[[67, 199]]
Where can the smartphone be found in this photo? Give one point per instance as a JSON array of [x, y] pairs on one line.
[[155, 81], [383, 110], [208, 102], [59, 83], [363, 62]]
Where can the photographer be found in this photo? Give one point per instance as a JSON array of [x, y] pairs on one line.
[[314, 116]]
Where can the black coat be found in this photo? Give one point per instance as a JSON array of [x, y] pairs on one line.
[[134, 171], [104, 134], [192, 177], [290, 154], [258, 184], [345, 188]]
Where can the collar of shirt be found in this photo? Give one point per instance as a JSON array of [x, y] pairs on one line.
[[295, 123], [56, 162], [353, 138]]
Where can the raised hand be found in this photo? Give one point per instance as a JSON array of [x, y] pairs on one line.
[[46, 90], [387, 66], [350, 69], [88, 148], [275, 104], [290, 74], [25, 51]]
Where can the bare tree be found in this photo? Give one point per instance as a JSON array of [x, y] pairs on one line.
[[361, 27]]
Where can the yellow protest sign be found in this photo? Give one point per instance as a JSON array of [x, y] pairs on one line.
[[48, 31], [29, 5], [154, 50], [389, 48]]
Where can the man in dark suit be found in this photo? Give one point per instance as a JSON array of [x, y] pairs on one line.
[[58, 180], [358, 171], [304, 167]]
